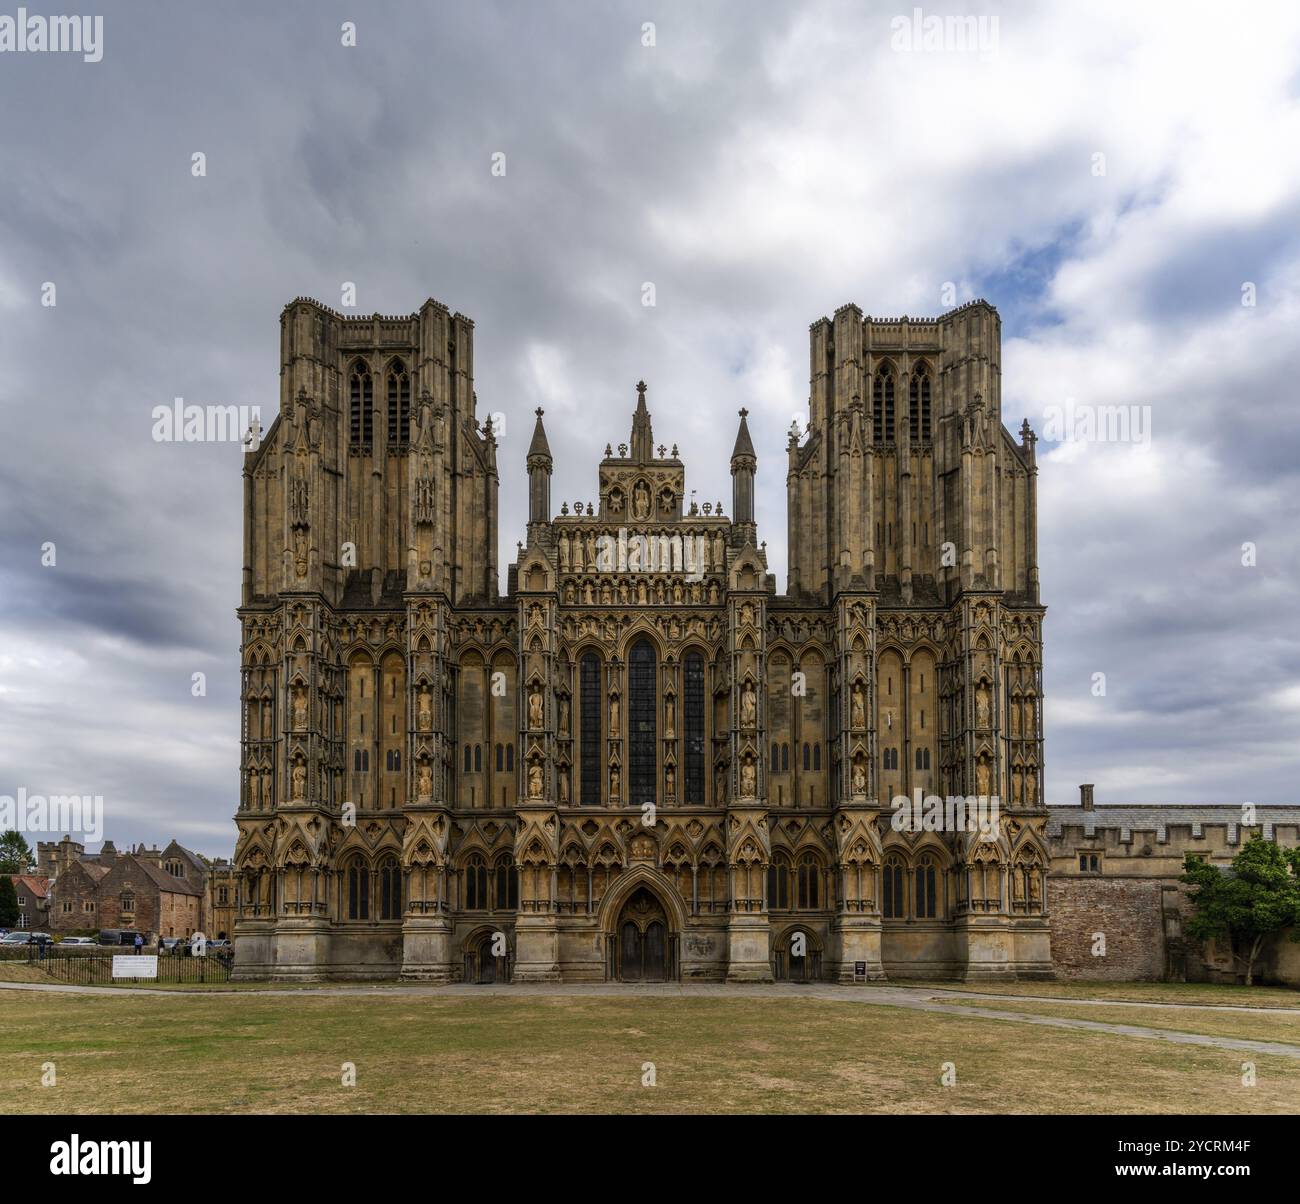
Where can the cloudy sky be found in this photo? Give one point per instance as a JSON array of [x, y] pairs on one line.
[[1113, 180]]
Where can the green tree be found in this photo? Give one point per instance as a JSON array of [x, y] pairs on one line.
[[8, 902], [1257, 897], [15, 854]]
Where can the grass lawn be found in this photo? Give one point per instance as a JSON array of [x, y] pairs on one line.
[[494, 1053], [1189, 993], [1247, 1026]]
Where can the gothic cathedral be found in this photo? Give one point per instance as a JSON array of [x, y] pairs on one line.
[[641, 762]]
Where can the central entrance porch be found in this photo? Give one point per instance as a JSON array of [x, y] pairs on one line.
[[642, 946]]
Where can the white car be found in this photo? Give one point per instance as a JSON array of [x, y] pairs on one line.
[[77, 940], [18, 937]]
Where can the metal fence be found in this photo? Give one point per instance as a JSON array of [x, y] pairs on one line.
[[91, 964]]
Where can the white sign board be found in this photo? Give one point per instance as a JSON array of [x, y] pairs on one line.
[[135, 965]]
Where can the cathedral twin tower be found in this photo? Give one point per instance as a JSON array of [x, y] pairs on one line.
[[641, 762]]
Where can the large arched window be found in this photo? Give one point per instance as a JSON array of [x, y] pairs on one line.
[[476, 883], [693, 721], [590, 699], [358, 887], [919, 406], [810, 873], [390, 890], [778, 883], [643, 702], [882, 405], [926, 889], [362, 405], [507, 884], [894, 902], [399, 404]]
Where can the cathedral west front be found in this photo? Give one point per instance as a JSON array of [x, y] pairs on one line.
[[640, 762]]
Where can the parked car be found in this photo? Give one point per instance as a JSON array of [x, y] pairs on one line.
[[220, 948], [118, 936], [77, 940], [16, 938], [175, 944]]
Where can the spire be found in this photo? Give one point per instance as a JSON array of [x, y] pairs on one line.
[[643, 440], [539, 446], [744, 445]]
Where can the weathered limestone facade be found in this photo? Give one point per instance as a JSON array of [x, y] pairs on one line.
[[641, 762]]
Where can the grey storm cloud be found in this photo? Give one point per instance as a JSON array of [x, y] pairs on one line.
[[761, 165]]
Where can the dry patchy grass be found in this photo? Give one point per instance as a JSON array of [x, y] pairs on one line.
[[490, 1053]]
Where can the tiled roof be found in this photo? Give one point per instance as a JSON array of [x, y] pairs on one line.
[[34, 884], [164, 881]]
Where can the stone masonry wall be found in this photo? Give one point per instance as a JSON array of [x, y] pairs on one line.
[[1127, 910]]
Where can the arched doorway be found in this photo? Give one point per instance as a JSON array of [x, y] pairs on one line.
[[641, 945]]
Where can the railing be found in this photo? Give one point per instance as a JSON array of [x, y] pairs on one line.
[[89, 965]]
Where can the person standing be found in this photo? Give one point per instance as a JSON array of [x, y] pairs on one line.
[[139, 943]]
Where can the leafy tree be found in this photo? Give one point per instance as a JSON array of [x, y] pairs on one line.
[[15, 854], [1257, 897], [8, 902]]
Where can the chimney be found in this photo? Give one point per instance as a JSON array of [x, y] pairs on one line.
[[1085, 796]]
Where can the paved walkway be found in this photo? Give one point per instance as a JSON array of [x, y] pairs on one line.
[[919, 999]]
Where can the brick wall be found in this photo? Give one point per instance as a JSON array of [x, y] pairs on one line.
[[1127, 910]]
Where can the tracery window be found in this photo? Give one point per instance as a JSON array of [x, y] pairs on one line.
[[507, 885], [358, 887], [919, 406], [778, 884], [693, 721], [810, 872], [893, 904], [926, 889], [399, 404], [390, 890], [476, 883], [882, 405], [643, 702], [362, 404], [590, 703]]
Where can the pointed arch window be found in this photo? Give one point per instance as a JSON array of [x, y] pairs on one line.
[[476, 884], [693, 720], [643, 701], [590, 702], [399, 404], [893, 905], [919, 405], [507, 884], [361, 409], [390, 890], [926, 889], [358, 887], [810, 873], [778, 884], [882, 405]]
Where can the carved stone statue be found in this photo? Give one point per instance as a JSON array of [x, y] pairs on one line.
[[641, 500], [1031, 786], [299, 707], [670, 711], [613, 782], [748, 779], [613, 717], [535, 780], [670, 781], [859, 778], [720, 783], [424, 781], [425, 710], [564, 553], [982, 778], [859, 706], [535, 708], [300, 552], [564, 784], [564, 714], [748, 705], [299, 780], [983, 711]]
